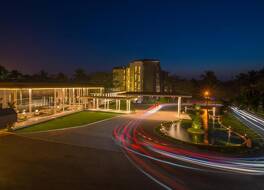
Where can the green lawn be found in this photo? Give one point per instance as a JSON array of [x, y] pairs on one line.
[[229, 120], [72, 120]]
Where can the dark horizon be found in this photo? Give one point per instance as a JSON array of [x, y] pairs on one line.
[[187, 37]]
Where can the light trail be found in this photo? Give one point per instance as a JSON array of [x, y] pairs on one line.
[[134, 141], [253, 121]]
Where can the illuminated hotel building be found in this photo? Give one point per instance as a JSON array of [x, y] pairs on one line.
[[143, 75], [119, 78]]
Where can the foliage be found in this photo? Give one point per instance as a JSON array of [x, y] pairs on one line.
[[229, 120], [104, 78], [80, 75], [196, 122]]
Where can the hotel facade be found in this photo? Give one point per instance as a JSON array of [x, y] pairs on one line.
[[144, 75]]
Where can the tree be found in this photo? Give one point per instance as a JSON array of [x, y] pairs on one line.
[[80, 75], [209, 79], [61, 77], [251, 89], [102, 78], [3, 73], [41, 76], [14, 75]]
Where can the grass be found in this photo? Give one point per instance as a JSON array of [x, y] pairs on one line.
[[229, 120], [76, 119]]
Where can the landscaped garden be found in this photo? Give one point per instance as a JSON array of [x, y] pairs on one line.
[[76, 119], [229, 120], [225, 137]]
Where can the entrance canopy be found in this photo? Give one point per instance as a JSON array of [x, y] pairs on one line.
[[43, 85], [155, 94]]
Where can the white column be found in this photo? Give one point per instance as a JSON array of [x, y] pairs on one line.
[[55, 101], [116, 104], [21, 97], [15, 99], [44, 101], [78, 95], [94, 103], [119, 107], [179, 107], [73, 96], [129, 105], [30, 101], [104, 103], [63, 98], [97, 103], [108, 104], [214, 112], [85, 103]]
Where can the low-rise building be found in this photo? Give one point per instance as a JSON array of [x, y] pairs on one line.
[[41, 99]]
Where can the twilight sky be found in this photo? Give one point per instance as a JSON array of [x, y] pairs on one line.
[[187, 36]]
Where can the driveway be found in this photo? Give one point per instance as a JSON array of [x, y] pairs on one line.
[[79, 158]]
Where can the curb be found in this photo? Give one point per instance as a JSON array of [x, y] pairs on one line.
[[67, 128]]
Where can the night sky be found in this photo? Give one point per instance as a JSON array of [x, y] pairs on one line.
[[186, 36]]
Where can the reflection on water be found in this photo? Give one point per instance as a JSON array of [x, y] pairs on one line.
[[212, 136], [204, 117], [176, 131]]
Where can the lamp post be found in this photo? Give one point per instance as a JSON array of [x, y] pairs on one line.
[[206, 96]]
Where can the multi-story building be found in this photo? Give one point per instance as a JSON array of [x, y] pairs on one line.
[[119, 78], [144, 75]]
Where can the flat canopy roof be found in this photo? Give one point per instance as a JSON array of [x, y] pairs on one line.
[[19, 85], [110, 97], [155, 94]]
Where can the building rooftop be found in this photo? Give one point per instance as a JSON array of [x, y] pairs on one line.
[[156, 94], [121, 67], [47, 85]]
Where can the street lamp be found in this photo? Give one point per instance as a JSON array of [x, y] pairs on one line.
[[206, 96], [206, 93]]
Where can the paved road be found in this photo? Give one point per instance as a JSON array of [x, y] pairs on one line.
[[178, 176], [83, 158], [87, 158]]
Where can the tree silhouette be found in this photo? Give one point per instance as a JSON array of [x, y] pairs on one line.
[[61, 77], [3, 73], [14, 75], [80, 75]]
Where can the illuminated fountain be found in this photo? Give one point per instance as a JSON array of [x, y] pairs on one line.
[[200, 131]]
